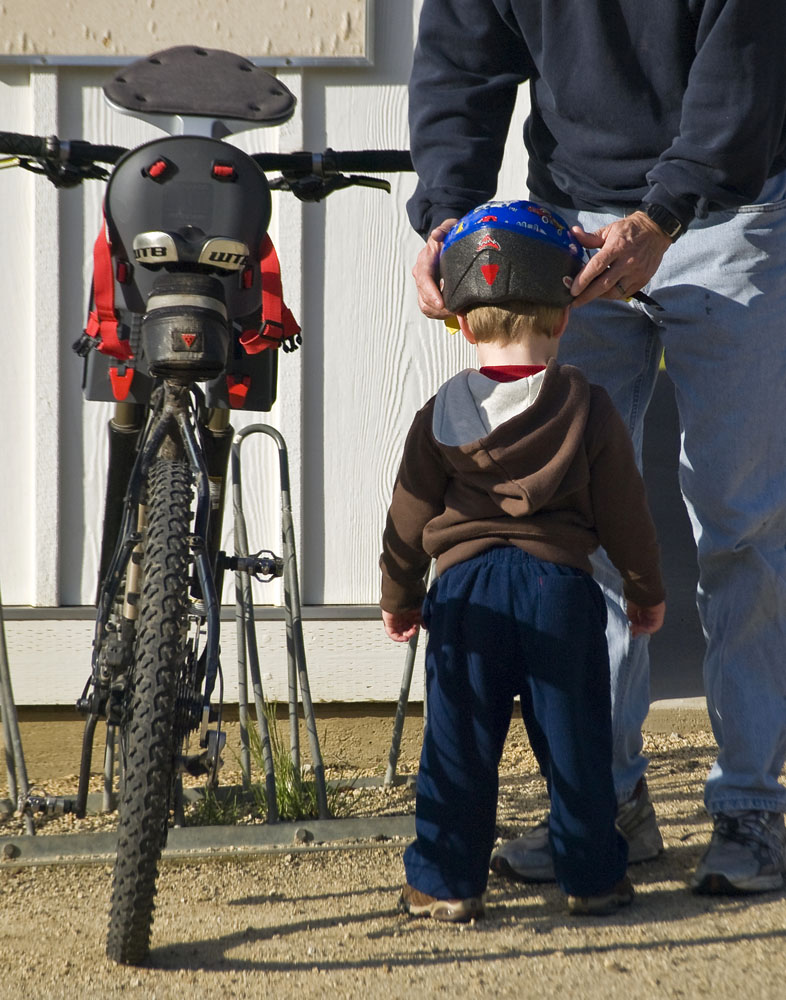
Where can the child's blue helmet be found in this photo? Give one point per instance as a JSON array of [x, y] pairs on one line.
[[506, 250]]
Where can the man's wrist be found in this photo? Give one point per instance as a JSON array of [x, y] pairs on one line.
[[667, 222]]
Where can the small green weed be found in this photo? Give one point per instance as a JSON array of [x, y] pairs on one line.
[[296, 788], [296, 792], [214, 810]]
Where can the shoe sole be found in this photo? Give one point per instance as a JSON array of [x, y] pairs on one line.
[[442, 910], [578, 909], [641, 858], [720, 885], [502, 867]]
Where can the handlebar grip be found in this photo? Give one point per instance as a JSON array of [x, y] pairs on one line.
[[379, 161], [39, 147], [34, 146], [373, 161], [299, 162], [81, 152]]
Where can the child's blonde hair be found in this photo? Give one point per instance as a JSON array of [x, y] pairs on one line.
[[512, 321]]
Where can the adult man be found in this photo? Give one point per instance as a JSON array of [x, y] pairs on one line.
[[660, 131]]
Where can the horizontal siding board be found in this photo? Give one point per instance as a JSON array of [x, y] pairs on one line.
[[347, 661]]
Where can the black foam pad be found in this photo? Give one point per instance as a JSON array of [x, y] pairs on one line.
[[188, 80]]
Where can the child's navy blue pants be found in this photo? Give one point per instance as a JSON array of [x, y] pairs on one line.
[[504, 624]]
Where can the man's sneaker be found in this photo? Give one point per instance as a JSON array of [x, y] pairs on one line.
[[528, 858], [637, 823], [747, 853], [455, 911], [608, 902]]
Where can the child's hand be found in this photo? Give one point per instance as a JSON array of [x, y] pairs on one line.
[[402, 625], [645, 621]]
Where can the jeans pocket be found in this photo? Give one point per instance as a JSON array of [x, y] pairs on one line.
[[771, 199], [765, 208]]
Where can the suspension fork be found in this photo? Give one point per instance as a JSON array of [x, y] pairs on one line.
[[216, 435], [171, 433], [120, 550], [156, 436], [123, 431], [203, 563], [187, 441]]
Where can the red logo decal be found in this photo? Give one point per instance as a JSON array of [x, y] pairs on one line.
[[188, 339], [489, 272], [489, 218], [487, 243]]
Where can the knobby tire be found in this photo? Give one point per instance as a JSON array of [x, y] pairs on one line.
[[147, 738]]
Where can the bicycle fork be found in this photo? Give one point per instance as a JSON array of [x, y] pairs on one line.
[[172, 433]]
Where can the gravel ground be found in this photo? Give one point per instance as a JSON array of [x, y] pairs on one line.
[[322, 921]]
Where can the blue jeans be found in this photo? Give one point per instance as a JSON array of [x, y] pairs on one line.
[[723, 337], [500, 625]]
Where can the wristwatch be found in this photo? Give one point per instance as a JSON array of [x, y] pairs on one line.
[[670, 224]]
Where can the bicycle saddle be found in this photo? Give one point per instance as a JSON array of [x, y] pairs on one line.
[[207, 83]]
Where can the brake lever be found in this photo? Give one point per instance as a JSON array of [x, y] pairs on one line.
[[373, 182], [64, 175], [313, 188]]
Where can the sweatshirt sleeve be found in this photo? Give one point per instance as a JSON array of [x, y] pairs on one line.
[[622, 516], [733, 111], [468, 63], [418, 496]]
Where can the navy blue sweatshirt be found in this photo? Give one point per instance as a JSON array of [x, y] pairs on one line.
[[677, 102]]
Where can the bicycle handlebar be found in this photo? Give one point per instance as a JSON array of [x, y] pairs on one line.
[[79, 153], [331, 161], [39, 147]]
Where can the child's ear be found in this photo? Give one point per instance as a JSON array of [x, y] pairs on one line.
[[465, 327], [559, 329]]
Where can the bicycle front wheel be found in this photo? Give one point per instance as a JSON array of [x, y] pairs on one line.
[[148, 743]]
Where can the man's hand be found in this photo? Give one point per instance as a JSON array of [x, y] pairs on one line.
[[629, 253], [645, 621], [402, 625], [426, 273]]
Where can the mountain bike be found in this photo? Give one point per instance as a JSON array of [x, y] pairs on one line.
[[186, 323]]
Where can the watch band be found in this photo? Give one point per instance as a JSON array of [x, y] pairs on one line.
[[669, 223]]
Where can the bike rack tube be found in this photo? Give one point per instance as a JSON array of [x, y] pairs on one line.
[[18, 788], [296, 655]]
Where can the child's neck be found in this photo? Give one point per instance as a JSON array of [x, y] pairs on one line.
[[533, 354]]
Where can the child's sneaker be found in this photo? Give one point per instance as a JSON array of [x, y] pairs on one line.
[[608, 902], [747, 853], [455, 911]]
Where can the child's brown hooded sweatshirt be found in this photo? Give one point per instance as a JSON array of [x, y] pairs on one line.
[[557, 479]]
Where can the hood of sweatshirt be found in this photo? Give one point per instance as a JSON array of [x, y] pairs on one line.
[[520, 443]]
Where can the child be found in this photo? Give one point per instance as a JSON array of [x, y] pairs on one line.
[[511, 476]]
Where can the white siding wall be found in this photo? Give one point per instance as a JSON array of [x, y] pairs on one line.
[[368, 362]]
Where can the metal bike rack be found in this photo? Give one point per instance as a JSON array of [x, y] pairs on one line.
[[18, 788], [403, 699], [247, 652], [401, 710]]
